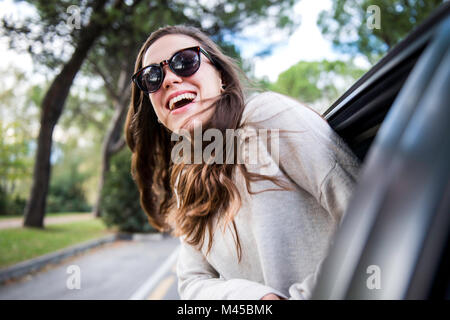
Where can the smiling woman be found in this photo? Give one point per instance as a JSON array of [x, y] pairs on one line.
[[247, 231], [184, 91]]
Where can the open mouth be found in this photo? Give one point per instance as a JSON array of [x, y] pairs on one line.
[[181, 100]]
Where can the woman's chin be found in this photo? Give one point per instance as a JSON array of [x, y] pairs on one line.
[[191, 121], [191, 124]]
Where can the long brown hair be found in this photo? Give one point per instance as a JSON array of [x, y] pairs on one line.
[[208, 190]]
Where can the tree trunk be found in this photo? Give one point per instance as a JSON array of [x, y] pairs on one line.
[[113, 141], [51, 108]]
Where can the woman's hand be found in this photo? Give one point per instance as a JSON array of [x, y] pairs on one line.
[[272, 296]]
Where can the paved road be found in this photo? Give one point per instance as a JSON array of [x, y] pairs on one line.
[[119, 270], [18, 222]]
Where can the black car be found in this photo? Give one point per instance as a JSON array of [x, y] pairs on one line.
[[393, 242]]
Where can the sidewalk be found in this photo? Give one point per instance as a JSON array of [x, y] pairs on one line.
[[18, 222]]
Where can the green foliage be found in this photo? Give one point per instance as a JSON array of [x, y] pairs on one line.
[[11, 204], [120, 197], [128, 27], [3, 201], [346, 24], [87, 111], [14, 153], [18, 116], [66, 192], [316, 81]]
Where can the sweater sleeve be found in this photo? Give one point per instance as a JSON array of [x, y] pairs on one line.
[[198, 280]]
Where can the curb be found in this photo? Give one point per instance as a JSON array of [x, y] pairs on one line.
[[147, 236], [32, 265]]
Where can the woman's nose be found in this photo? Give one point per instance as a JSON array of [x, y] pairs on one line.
[[170, 78]]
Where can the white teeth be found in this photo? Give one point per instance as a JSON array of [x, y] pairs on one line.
[[180, 97]]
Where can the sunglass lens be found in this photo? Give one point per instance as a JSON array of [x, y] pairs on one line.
[[185, 63], [150, 78]]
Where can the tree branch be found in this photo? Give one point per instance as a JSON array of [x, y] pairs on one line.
[[117, 146], [109, 87]]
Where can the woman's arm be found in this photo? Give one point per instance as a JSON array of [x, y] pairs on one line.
[[197, 279]]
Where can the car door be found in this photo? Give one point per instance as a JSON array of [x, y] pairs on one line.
[[393, 242]]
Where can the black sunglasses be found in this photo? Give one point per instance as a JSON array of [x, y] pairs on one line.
[[183, 63]]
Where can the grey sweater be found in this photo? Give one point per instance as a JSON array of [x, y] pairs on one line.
[[284, 235]]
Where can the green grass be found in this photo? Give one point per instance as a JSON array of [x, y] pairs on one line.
[[20, 244], [59, 214]]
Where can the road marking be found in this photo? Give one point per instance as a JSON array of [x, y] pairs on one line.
[[154, 279], [162, 289]]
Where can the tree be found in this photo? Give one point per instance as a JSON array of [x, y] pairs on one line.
[[54, 99], [346, 24], [318, 82]]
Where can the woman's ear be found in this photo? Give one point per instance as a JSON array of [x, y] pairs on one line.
[[222, 83]]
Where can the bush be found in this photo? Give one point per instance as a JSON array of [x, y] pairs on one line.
[[3, 202], [66, 193], [120, 198], [17, 205], [11, 205]]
